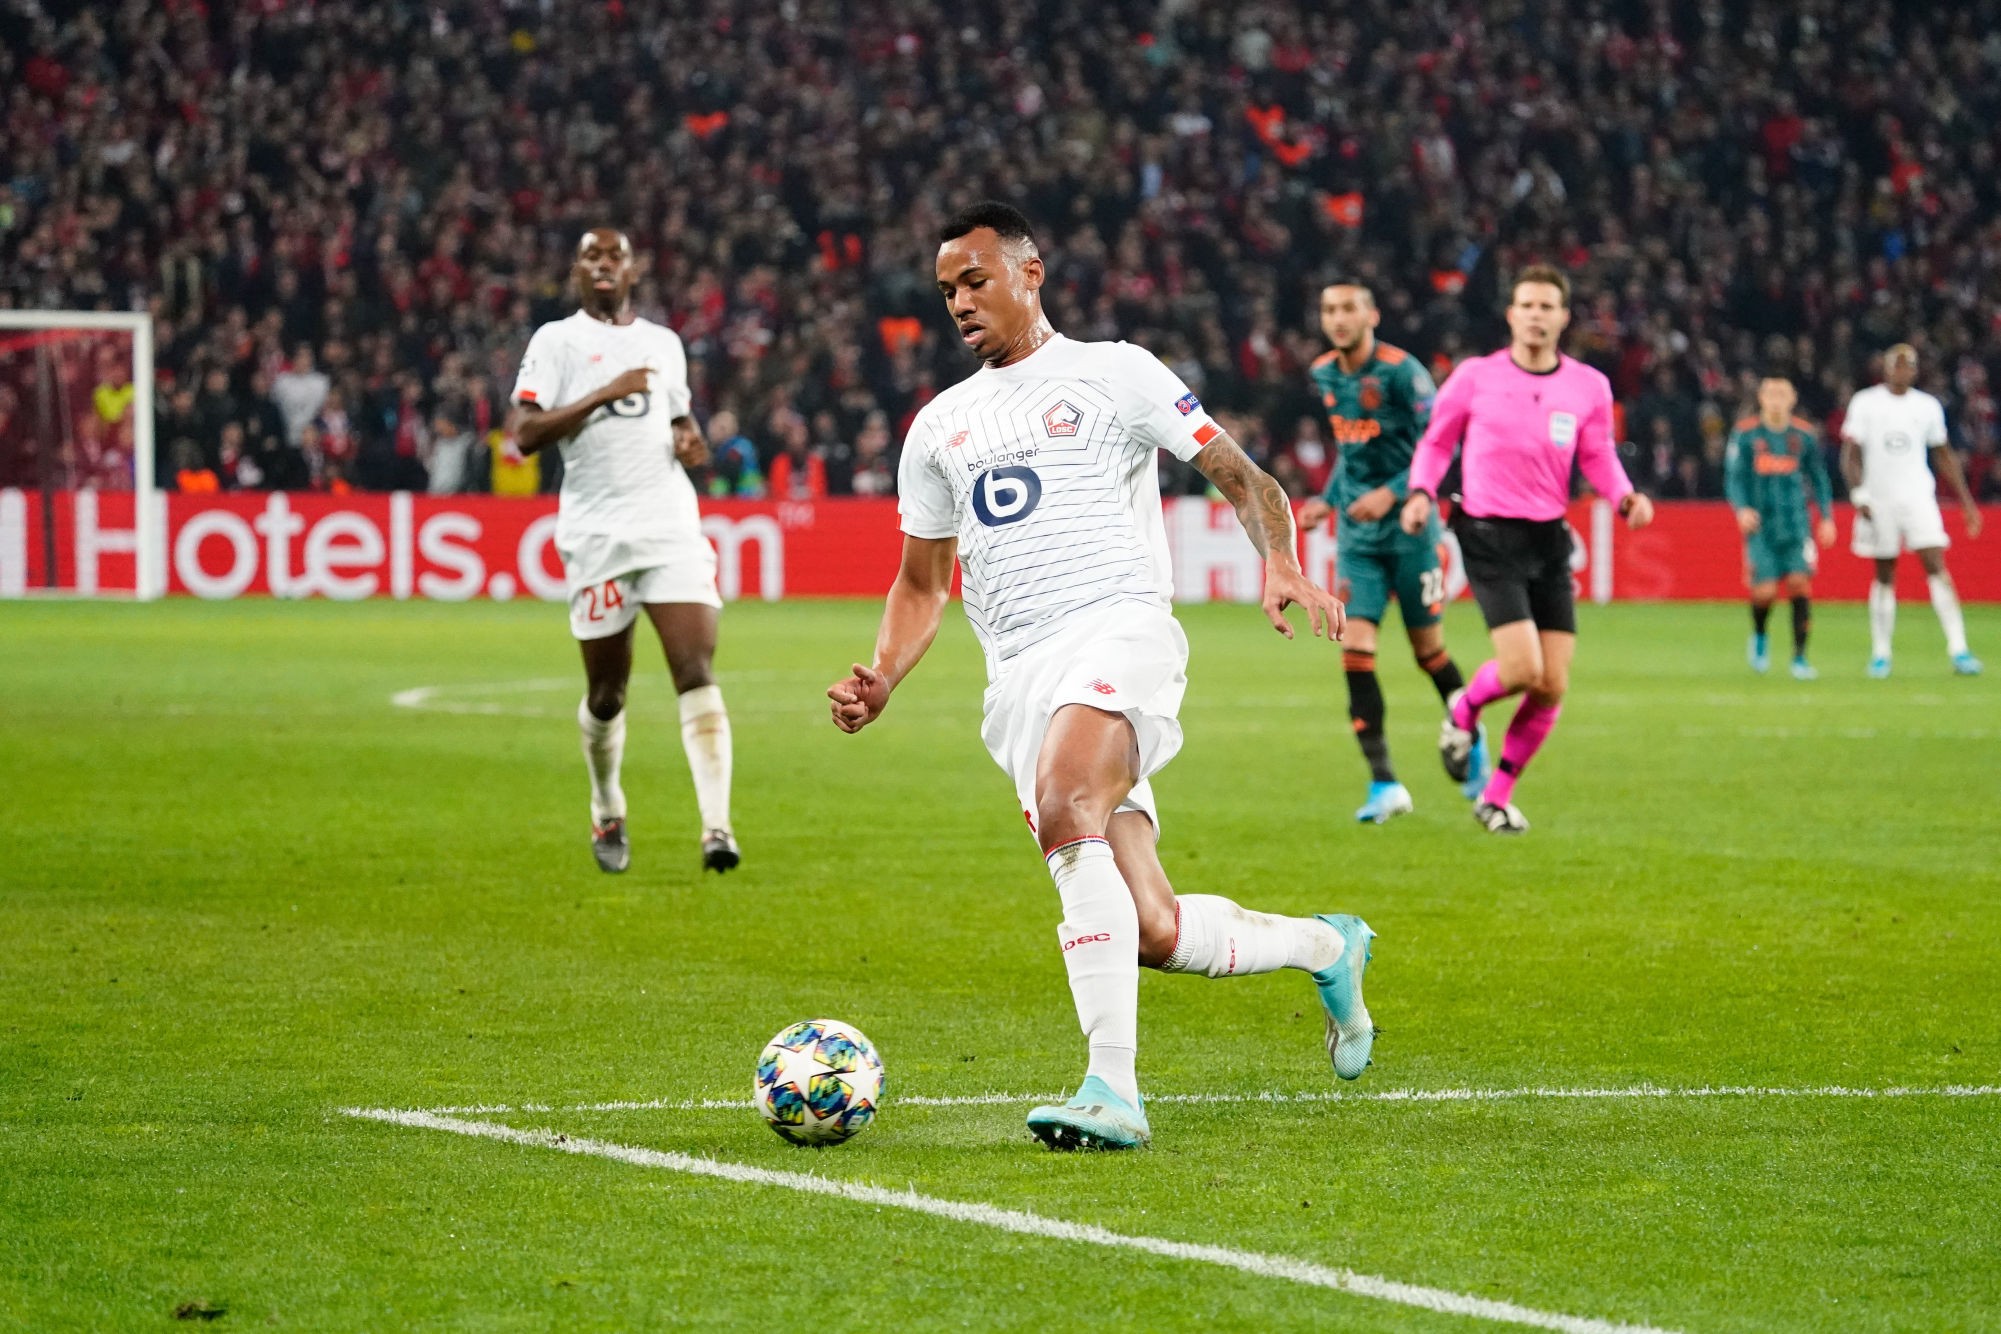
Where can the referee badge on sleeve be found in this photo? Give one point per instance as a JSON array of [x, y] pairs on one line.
[[1563, 429]]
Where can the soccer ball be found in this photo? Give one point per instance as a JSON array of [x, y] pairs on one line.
[[818, 1082]]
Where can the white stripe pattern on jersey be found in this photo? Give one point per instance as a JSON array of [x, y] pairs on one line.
[[1094, 534]]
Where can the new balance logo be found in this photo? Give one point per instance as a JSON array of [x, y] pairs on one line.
[[959, 439], [1069, 945], [1101, 687]]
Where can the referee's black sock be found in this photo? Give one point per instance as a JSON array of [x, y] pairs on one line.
[[1802, 622], [1761, 612], [1365, 711], [1444, 673]]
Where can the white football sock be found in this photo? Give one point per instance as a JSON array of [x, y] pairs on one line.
[[604, 747], [1882, 617], [1216, 937], [1100, 938], [705, 735], [1946, 603]]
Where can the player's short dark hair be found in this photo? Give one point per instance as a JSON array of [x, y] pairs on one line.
[[1776, 373], [1543, 273], [1350, 280], [1007, 222]]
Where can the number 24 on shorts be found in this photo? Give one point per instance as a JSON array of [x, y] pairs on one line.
[[600, 599]]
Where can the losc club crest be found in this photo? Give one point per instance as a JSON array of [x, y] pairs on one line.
[[1372, 393], [1062, 418]]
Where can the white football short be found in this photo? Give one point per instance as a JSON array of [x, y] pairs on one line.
[[610, 579], [1896, 526], [1128, 658]]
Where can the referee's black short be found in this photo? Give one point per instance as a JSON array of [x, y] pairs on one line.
[[1519, 570]]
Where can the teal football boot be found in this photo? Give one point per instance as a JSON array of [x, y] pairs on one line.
[[1386, 802], [1350, 1034], [1479, 766], [1096, 1118]]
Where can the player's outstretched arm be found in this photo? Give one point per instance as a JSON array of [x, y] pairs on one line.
[[536, 427], [1851, 473], [1737, 483], [1946, 462], [910, 620], [1823, 492], [1266, 514]]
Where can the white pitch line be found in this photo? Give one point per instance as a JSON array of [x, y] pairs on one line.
[[430, 698], [1020, 1221], [1638, 1092]]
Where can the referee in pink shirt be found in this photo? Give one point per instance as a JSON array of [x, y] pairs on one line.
[[1519, 417]]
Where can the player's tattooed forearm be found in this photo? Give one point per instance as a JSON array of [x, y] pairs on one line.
[[1260, 502], [1274, 514]]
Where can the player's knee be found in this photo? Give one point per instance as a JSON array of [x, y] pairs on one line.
[[691, 675], [1065, 814], [605, 700], [1520, 673]]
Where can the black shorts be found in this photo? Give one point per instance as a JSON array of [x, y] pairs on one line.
[[1519, 570]]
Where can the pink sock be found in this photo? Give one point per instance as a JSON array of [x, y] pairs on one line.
[[1531, 727], [1482, 690]]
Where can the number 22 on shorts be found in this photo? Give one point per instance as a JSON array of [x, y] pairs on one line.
[[1431, 588]]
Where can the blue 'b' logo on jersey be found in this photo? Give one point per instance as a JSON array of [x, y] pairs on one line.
[[1006, 495]]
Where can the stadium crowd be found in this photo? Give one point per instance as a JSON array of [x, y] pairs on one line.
[[346, 218]]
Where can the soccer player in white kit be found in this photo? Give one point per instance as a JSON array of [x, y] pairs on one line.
[[1037, 476], [1885, 438], [611, 391]]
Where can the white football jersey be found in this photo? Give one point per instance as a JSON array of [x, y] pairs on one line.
[[1895, 432], [620, 476], [1045, 472]]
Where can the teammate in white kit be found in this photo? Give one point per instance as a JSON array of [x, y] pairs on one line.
[[1037, 476], [1888, 432], [611, 390]]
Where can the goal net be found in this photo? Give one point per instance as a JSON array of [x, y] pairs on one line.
[[81, 512]]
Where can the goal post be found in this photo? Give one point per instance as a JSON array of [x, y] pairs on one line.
[[60, 447]]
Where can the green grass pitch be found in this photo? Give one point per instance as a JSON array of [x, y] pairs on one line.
[[240, 890]]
